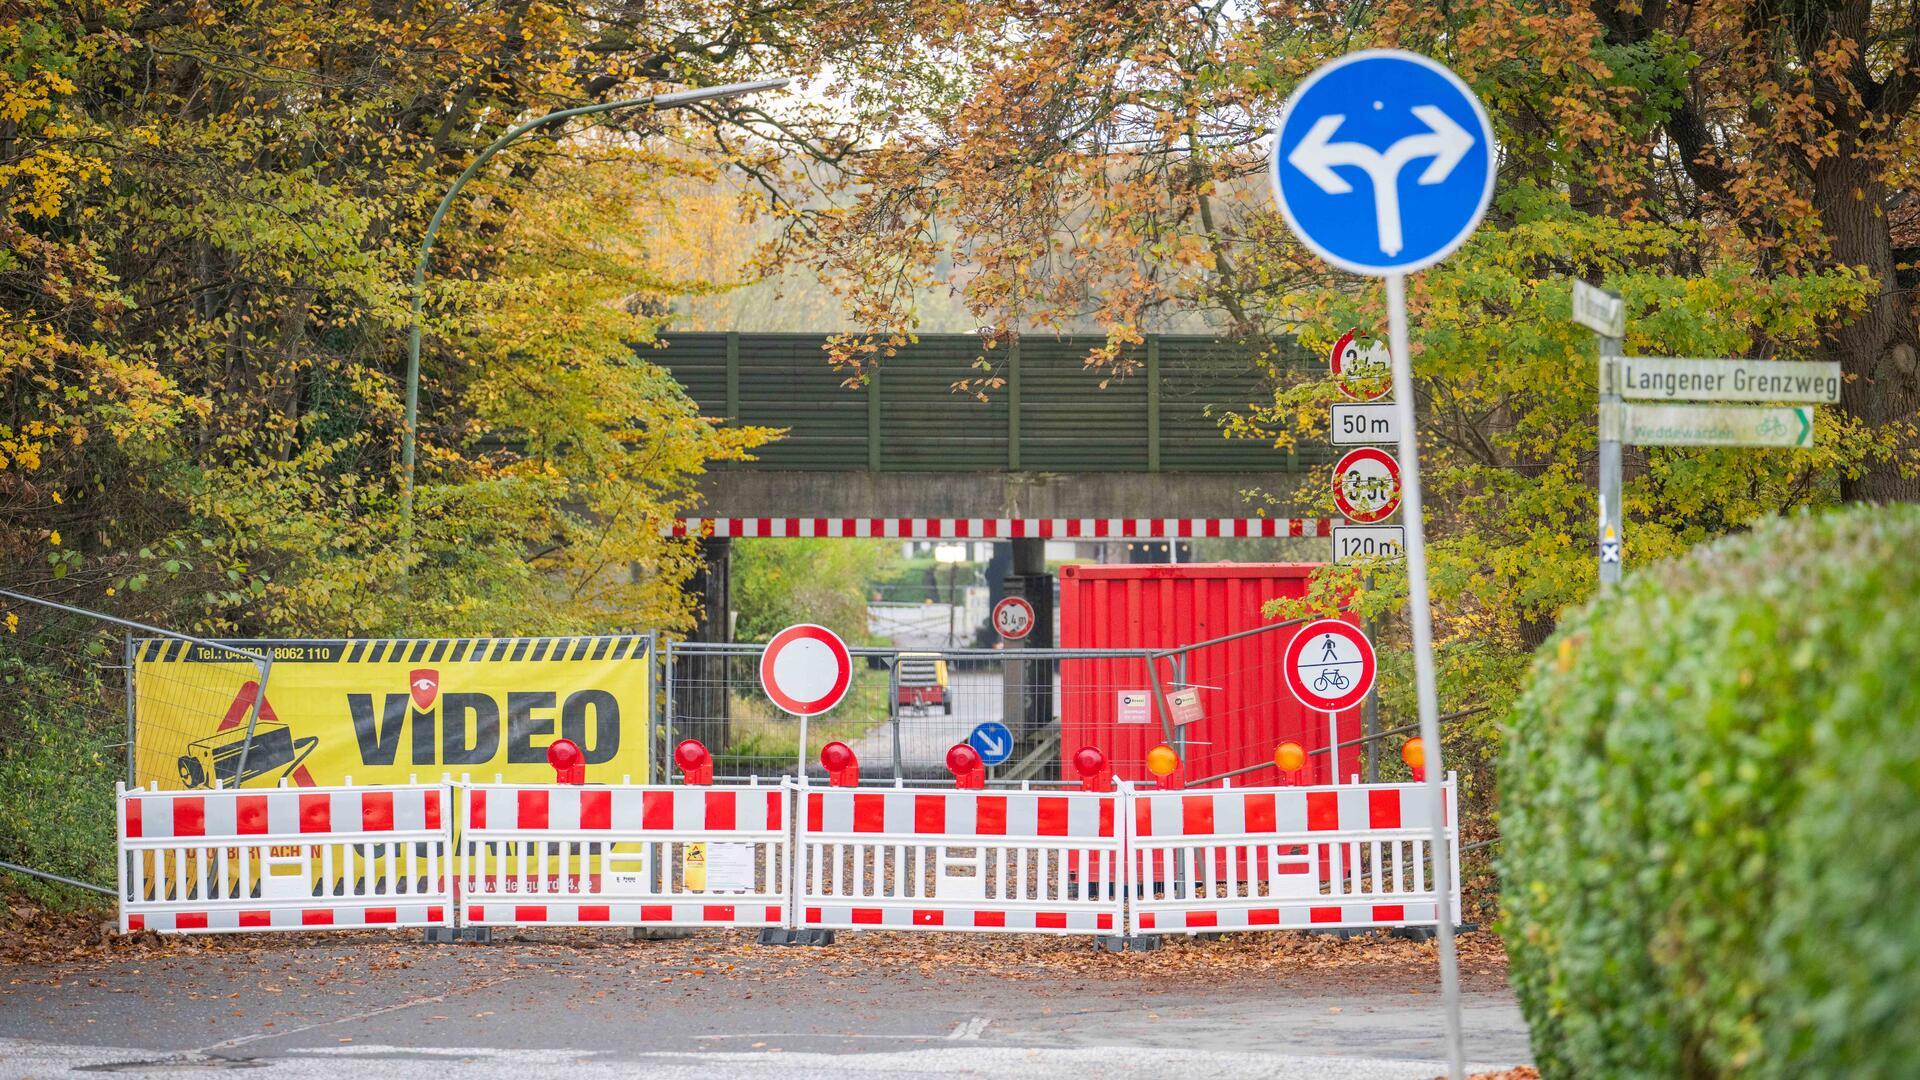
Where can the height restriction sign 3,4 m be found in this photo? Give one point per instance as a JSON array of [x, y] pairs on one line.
[[1362, 368]]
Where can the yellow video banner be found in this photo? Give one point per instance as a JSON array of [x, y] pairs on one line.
[[387, 711]]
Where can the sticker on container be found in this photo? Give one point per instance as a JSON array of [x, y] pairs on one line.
[[1185, 706]]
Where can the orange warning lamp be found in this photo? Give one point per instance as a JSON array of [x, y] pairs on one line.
[[1164, 763], [696, 763], [1289, 757], [1162, 760], [1414, 753], [569, 764]]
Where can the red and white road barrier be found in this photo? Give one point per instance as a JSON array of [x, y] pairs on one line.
[[553, 855], [958, 860], [1346, 856], [1286, 858], [285, 859], [1001, 528]]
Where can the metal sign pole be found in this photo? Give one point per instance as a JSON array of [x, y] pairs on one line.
[[1333, 747], [1421, 620], [1611, 530]]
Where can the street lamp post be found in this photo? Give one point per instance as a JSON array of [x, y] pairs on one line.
[[410, 426]]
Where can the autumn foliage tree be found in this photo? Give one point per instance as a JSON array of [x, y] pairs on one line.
[[208, 214], [1108, 163]]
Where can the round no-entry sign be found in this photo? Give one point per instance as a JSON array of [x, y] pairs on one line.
[[1329, 665], [1362, 369], [806, 669], [1013, 617], [1366, 485]]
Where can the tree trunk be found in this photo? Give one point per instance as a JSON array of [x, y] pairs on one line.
[[1879, 350]]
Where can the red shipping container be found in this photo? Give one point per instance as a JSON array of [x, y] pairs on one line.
[[1247, 708]]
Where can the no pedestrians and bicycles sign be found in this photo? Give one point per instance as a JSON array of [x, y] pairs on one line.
[[1329, 665]]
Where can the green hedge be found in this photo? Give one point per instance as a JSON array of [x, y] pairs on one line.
[[1711, 810], [62, 747]]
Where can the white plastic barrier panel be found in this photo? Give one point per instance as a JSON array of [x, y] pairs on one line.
[[285, 859], [562, 855], [959, 860], [1286, 858]]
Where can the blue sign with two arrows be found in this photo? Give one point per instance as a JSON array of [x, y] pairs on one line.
[[1384, 162]]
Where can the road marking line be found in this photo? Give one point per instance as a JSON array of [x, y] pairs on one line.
[[369, 1014], [971, 1029]]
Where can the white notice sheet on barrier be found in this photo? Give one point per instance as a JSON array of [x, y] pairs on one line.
[[730, 868]]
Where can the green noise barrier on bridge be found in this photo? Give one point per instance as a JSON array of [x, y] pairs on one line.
[[1050, 413]]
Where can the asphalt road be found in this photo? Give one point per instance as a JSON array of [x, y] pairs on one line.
[[592, 1003], [927, 734]]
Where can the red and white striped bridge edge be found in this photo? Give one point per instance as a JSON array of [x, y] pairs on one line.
[[1290, 857], [959, 860], [284, 859], [1002, 528], [623, 856]]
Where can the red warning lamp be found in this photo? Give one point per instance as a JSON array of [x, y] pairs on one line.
[[1095, 773], [841, 763], [1414, 753], [569, 764], [696, 763], [965, 764]]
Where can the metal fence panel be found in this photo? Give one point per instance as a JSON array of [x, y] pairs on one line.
[[905, 709]]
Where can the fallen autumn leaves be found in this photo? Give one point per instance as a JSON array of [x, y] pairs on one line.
[[36, 937]]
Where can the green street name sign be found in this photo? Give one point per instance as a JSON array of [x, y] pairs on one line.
[[1707, 425], [1653, 378]]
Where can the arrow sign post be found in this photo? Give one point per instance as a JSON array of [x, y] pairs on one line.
[[1383, 163], [1710, 425], [1625, 379]]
